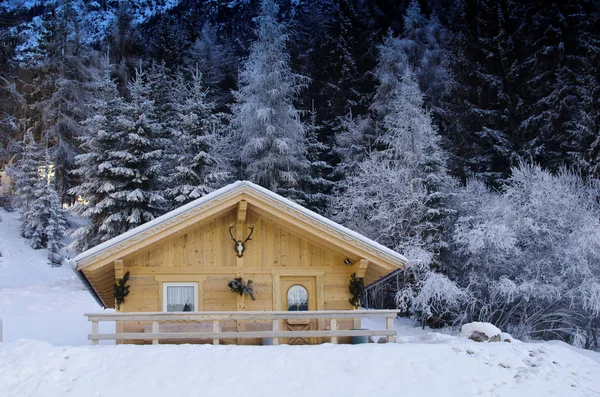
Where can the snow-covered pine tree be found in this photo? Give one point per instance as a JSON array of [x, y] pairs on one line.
[[26, 175], [555, 86], [315, 186], [392, 61], [57, 228], [354, 140], [423, 42], [268, 141], [407, 181], [211, 58], [193, 170], [120, 163], [400, 194], [44, 222], [58, 93], [482, 116]]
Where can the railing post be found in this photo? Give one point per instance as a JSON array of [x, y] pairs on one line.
[[333, 327], [95, 329], [215, 330], [389, 325], [275, 328], [155, 330]]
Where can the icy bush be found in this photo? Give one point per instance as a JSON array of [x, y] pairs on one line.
[[530, 255]]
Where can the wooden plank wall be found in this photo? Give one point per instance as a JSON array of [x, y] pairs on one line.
[[208, 250]]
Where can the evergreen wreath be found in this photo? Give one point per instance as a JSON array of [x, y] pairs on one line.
[[238, 286], [121, 290], [357, 289]]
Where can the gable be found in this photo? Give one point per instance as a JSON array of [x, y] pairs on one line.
[[197, 235]]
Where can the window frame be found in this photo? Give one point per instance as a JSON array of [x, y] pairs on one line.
[[179, 284]]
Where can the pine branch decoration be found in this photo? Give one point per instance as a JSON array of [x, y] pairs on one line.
[[357, 289], [121, 290], [238, 286]]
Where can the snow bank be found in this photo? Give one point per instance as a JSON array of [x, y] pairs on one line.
[[454, 367], [487, 329]]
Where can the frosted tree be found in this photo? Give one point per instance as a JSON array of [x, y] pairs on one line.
[[211, 58], [315, 185], [57, 228], [26, 175], [400, 194], [530, 254], [354, 139], [193, 169], [392, 61], [120, 165], [44, 222], [268, 142], [423, 43], [559, 79], [483, 111], [58, 93]]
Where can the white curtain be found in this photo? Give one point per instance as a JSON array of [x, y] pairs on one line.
[[180, 299], [297, 298]]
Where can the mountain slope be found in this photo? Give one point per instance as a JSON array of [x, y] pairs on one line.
[[38, 301]]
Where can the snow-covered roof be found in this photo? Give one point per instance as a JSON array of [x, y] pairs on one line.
[[241, 186]]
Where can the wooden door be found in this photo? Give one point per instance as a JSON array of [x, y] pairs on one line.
[[298, 293]]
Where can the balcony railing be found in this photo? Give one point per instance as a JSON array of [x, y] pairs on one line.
[[208, 325]]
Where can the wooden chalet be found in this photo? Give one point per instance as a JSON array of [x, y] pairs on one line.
[[180, 264]]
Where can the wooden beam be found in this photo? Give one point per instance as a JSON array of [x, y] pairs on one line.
[[155, 330], [333, 327], [119, 269], [361, 268], [95, 331], [389, 325], [241, 211]]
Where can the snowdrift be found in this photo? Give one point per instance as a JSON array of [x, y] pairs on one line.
[[452, 367]]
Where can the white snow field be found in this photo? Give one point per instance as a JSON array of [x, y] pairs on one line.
[[38, 301], [45, 353]]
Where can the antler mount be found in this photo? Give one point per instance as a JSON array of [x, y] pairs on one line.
[[240, 246]]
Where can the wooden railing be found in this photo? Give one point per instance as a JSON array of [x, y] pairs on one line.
[[216, 318]]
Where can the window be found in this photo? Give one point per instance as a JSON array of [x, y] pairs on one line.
[[180, 297], [297, 298]]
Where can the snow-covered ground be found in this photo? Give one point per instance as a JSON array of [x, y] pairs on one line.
[[46, 353], [38, 301]]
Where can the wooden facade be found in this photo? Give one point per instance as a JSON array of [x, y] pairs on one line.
[[289, 246]]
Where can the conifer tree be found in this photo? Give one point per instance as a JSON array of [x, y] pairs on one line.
[[27, 178], [268, 142], [58, 93], [193, 170], [120, 165], [559, 77], [57, 228], [315, 185], [423, 42], [482, 116], [212, 60], [44, 222], [400, 193]]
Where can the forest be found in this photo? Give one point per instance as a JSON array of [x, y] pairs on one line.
[[464, 134]]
